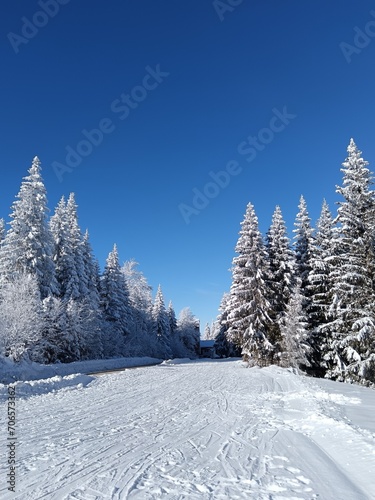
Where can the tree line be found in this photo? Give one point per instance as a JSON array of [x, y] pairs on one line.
[[310, 303], [57, 306]]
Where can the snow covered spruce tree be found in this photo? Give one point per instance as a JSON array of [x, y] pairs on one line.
[[68, 251], [177, 343], [303, 248], [188, 328], [250, 324], [223, 346], [2, 230], [350, 354], [172, 318], [295, 348], [27, 247], [161, 326], [282, 266], [78, 285], [115, 305], [207, 332], [320, 287], [140, 296]]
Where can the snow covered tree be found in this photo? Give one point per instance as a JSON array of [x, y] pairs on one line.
[[351, 332], [77, 245], [115, 305], [161, 325], [207, 332], [140, 297], [320, 270], [178, 346], [52, 345], [188, 327], [320, 287], [2, 230], [78, 279], [303, 247], [63, 254], [69, 248], [172, 318], [223, 346], [281, 263], [294, 332], [82, 333], [91, 274], [249, 320], [21, 320], [27, 247]]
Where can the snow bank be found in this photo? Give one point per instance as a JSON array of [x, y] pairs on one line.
[[37, 387], [177, 361], [11, 372]]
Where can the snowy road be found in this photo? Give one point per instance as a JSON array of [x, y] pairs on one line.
[[200, 430]]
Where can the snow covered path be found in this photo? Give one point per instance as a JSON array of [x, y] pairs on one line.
[[199, 430]]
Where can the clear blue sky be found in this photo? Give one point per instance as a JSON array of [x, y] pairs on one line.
[[225, 78]]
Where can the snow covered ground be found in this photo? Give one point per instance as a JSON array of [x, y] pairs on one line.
[[196, 430]]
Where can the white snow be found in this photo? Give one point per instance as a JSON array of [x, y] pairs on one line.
[[209, 429], [10, 372]]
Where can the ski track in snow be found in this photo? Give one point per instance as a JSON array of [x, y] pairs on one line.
[[199, 430]]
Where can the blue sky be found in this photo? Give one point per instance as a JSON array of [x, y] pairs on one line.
[[223, 74]]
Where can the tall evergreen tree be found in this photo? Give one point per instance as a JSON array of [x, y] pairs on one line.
[[320, 287], [296, 348], [351, 332], [223, 346], [63, 254], [249, 321], [28, 244], [303, 245], [282, 266], [207, 332], [172, 318], [140, 295], [188, 328], [91, 273], [2, 230], [77, 245], [161, 324], [115, 305]]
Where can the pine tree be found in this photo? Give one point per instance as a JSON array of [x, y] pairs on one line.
[[53, 345], [63, 254], [140, 299], [161, 325], [320, 287], [207, 332], [28, 244], [249, 321], [91, 273], [303, 244], [223, 346], [69, 248], [282, 266], [115, 305], [294, 332], [188, 328], [2, 230], [172, 318], [351, 332], [77, 245]]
